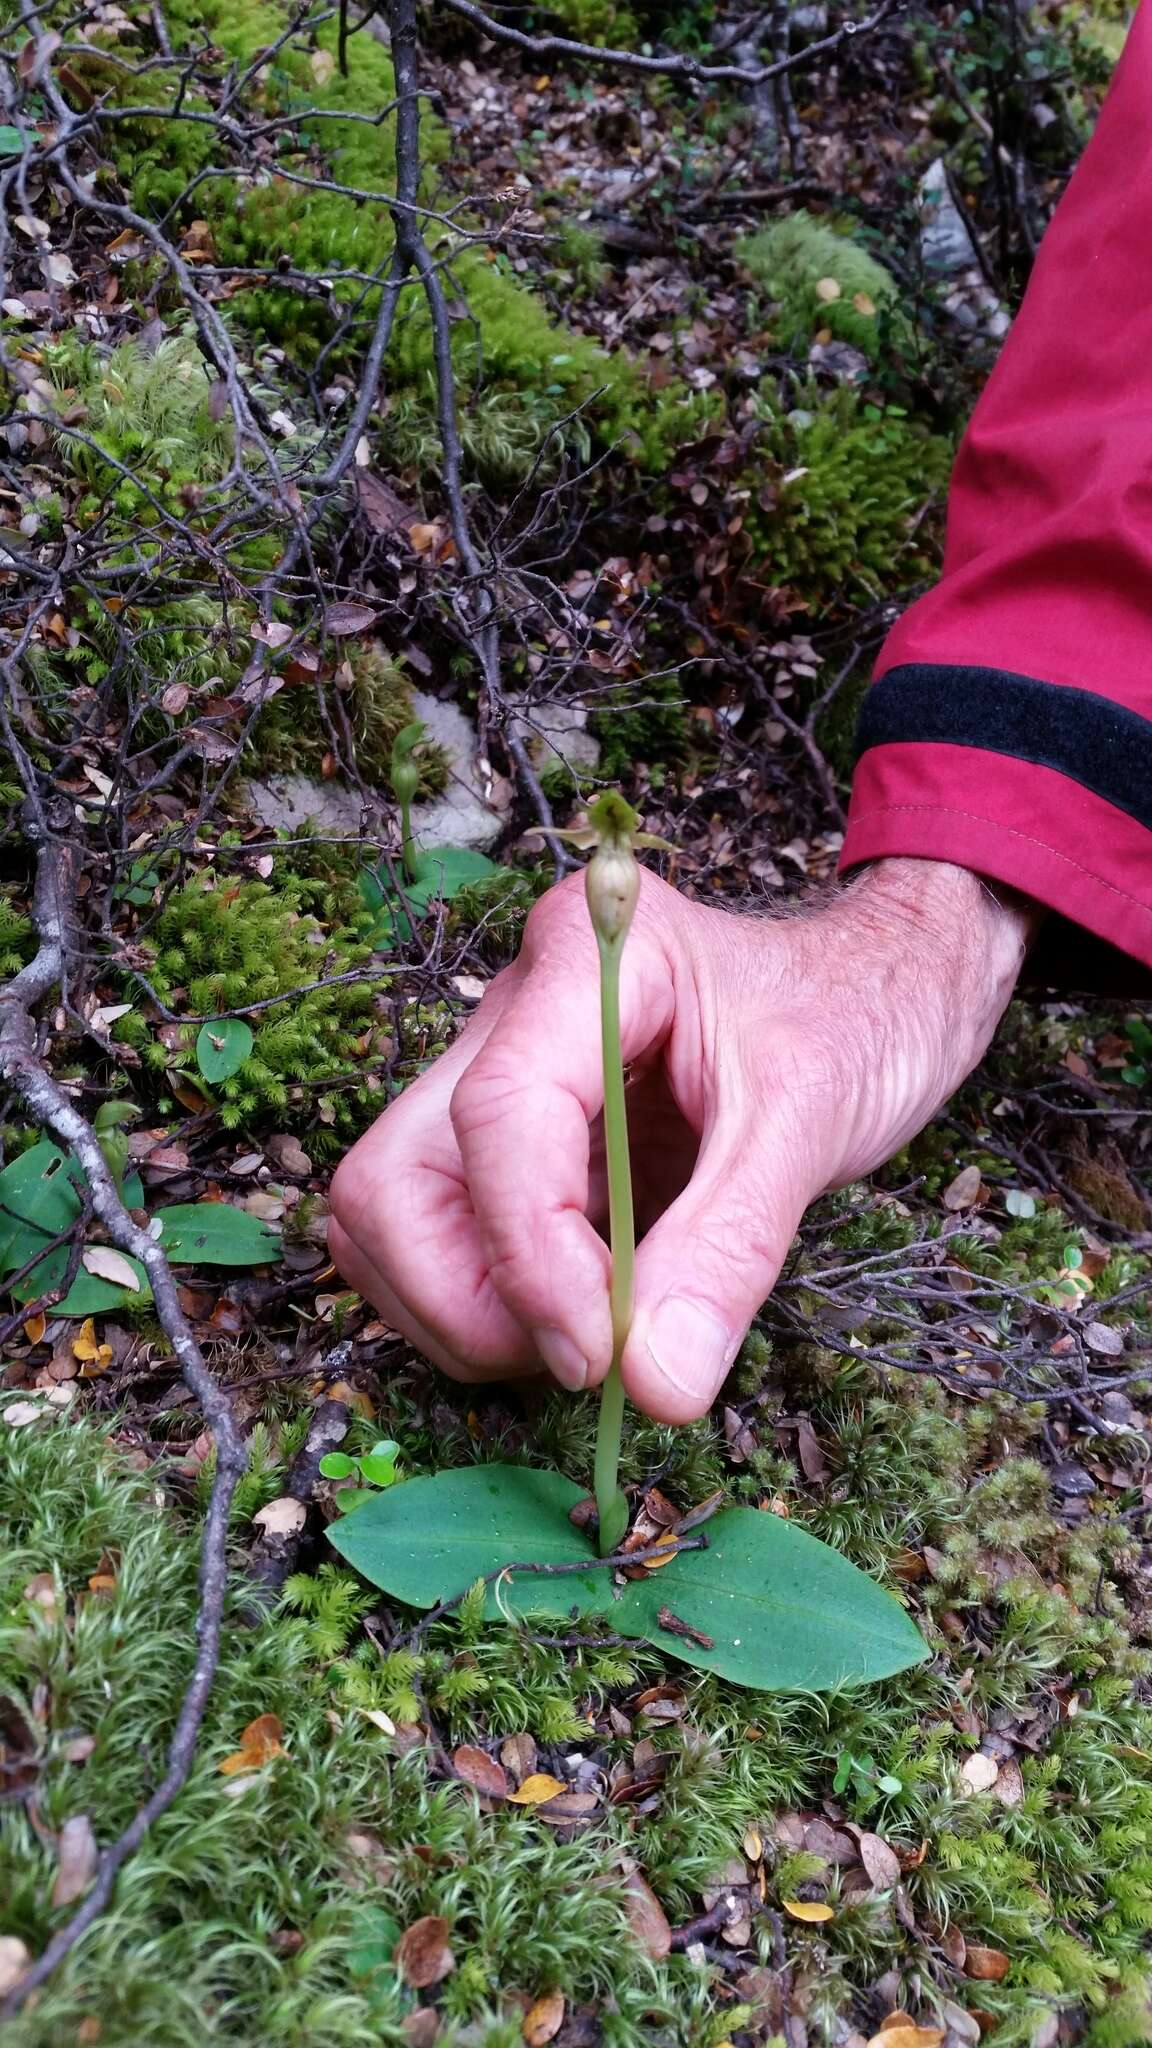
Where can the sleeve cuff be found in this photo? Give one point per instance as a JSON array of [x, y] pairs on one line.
[[1043, 787]]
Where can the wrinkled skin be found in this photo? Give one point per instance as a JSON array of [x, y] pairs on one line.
[[769, 1061]]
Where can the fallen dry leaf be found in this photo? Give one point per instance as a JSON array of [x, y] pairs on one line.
[[646, 1917], [282, 1517], [979, 1772], [964, 1191], [35, 1327], [518, 1755], [898, 2031], [537, 1789], [18, 1414], [753, 1845], [989, 1964], [106, 1263], [342, 619], [1009, 1786], [881, 1862], [77, 1857], [812, 1911], [480, 1770], [421, 2029], [322, 64], [422, 1954], [94, 1356], [259, 1744], [543, 2020], [15, 1957], [41, 1592], [665, 1549]]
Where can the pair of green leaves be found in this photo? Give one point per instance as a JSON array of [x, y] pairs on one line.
[[764, 1604], [441, 873], [222, 1047], [375, 1469], [40, 1198]]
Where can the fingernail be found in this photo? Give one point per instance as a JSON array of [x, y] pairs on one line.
[[562, 1358], [691, 1346]]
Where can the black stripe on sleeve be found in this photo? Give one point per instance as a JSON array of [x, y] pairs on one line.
[[1100, 744]]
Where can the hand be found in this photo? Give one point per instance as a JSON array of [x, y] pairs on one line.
[[769, 1061]]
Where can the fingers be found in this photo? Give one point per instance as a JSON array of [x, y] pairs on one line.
[[521, 1113], [704, 1271], [403, 1232]]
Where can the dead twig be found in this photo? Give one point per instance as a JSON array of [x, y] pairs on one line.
[[22, 1065]]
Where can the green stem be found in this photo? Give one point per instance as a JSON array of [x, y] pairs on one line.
[[407, 843], [622, 1243]]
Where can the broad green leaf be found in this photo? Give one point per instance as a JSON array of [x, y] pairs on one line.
[[783, 1611], [337, 1465], [216, 1234], [378, 1471], [40, 1188], [430, 1538], [88, 1294], [12, 143], [444, 871], [222, 1047]]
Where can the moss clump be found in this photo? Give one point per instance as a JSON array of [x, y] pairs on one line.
[[270, 1915], [216, 948], [376, 699], [843, 503], [17, 937], [648, 723], [799, 260], [519, 370]]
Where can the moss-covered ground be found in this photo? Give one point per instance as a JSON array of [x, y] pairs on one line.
[[707, 465]]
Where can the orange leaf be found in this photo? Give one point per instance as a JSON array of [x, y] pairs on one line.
[[259, 1743], [989, 1964], [35, 1327], [811, 1911], [898, 2031], [543, 2020], [537, 1790], [667, 1543]]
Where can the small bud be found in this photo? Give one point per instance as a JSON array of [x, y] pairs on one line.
[[612, 886]]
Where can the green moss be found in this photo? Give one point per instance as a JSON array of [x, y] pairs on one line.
[[214, 948], [842, 509], [17, 936], [649, 723], [798, 259], [245, 1913], [519, 370], [376, 698]]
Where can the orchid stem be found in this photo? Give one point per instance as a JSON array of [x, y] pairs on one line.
[[407, 842], [622, 1244]]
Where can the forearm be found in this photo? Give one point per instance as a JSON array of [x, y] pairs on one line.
[[1010, 727]]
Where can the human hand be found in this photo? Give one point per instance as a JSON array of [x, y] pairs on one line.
[[769, 1061]]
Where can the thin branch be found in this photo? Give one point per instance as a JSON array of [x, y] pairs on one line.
[[22, 1066], [691, 68]]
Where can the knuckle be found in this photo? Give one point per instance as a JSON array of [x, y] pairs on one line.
[[556, 917]]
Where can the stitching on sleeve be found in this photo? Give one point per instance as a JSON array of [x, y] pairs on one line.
[[1014, 832]]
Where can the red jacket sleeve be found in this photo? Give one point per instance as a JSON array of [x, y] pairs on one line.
[[1010, 725]]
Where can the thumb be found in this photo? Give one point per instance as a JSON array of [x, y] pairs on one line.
[[704, 1271]]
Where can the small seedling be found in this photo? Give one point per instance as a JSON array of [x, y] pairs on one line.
[[376, 1469], [867, 1784], [753, 1598], [431, 875]]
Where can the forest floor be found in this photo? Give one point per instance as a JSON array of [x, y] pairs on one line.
[[702, 471]]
